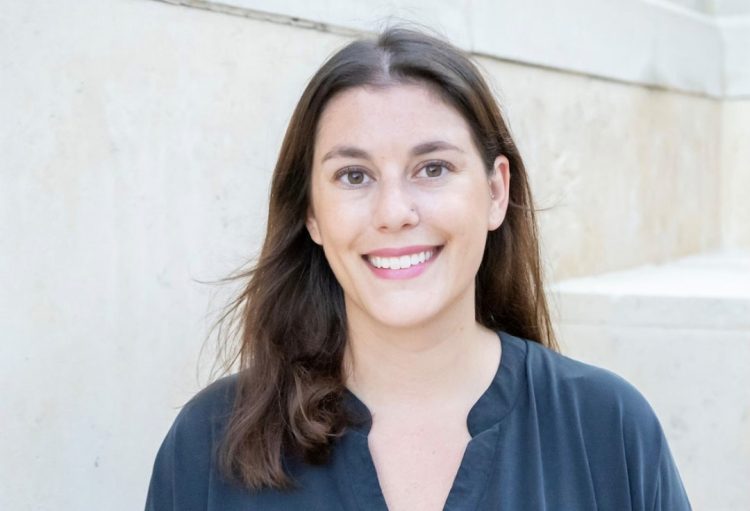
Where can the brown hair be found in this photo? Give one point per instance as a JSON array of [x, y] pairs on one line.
[[290, 317]]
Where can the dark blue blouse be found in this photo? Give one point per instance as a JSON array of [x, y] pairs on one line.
[[549, 433]]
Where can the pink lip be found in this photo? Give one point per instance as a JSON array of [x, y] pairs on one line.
[[406, 273]]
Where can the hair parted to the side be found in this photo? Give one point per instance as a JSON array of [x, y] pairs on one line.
[[290, 318]]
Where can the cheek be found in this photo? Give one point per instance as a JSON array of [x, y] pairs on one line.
[[340, 223], [462, 213]]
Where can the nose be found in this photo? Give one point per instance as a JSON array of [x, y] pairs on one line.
[[395, 207]]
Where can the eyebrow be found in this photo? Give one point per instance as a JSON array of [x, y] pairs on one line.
[[346, 151]]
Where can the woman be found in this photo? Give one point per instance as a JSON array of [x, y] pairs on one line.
[[396, 349]]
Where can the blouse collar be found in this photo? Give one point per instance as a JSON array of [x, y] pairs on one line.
[[493, 405]]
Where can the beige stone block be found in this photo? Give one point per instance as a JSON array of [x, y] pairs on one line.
[[625, 175], [735, 176]]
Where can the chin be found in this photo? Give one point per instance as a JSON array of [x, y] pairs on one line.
[[411, 316]]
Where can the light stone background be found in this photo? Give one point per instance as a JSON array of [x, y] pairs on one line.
[[137, 142]]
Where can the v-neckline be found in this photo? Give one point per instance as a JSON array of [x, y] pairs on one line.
[[483, 421]]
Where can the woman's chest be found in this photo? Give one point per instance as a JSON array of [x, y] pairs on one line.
[[416, 464]]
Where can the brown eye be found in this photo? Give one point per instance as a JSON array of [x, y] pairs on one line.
[[433, 169], [355, 177]]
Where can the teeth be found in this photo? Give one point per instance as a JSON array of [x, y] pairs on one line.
[[400, 263]]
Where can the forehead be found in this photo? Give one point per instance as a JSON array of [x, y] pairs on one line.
[[403, 113]]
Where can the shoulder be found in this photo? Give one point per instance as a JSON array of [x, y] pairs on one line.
[[589, 390], [197, 428], [609, 417], [577, 399], [186, 457], [211, 406]]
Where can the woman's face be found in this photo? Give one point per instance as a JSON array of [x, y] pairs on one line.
[[401, 203]]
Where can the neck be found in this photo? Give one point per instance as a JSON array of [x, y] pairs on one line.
[[441, 360]]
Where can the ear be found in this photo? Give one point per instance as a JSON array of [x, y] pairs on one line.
[[499, 183], [312, 227]]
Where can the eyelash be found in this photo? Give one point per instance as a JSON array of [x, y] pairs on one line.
[[350, 170]]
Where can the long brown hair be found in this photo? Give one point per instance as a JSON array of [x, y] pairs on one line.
[[290, 317]]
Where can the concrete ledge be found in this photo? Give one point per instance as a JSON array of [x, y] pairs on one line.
[[735, 34], [704, 291], [648, 42]]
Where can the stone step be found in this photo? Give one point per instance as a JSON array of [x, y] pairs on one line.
[[703, 291]]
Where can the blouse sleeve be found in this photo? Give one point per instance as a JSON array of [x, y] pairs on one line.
[[161, 488], [181, 472], [184, 464], [652, 473], [670, 493], [639, 470]]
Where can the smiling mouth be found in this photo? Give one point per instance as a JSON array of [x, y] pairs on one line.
[[402, 262]]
